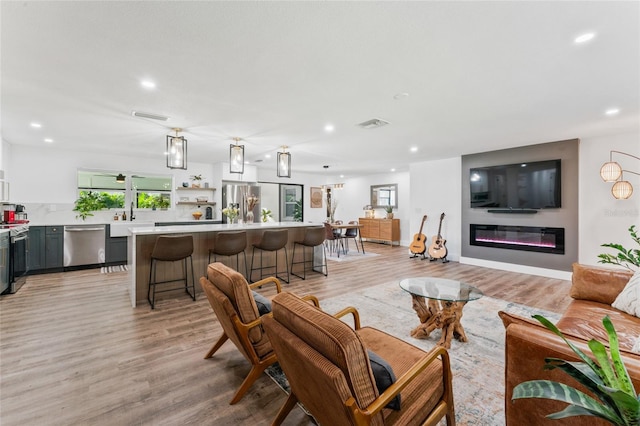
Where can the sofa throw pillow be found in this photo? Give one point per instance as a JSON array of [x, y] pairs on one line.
[[629, 298], [384, 376], [264, 304]]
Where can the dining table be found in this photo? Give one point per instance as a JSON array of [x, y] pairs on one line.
[[342, 226]]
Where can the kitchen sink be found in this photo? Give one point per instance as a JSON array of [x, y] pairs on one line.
[[122, 229]]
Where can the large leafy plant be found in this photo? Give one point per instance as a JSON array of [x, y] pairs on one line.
[[624, 257], [606, 377], [87, 202]]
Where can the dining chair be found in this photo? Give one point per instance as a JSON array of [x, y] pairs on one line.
[[331, 240], [351, 233]]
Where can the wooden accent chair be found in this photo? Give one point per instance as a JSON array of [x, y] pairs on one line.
[[233, 302], [328, 368]]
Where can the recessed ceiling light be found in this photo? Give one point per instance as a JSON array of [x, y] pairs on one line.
[[341, 176], [584, 38], [413, 149], [329, 128], [246, 162], [36, 125], [402, 95], [267, 156], [612, 111], [48, 140], [393, 170], [148, 84]]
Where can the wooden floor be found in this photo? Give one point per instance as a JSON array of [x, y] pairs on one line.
[[73, 351]]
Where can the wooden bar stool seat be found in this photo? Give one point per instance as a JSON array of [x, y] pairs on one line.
[[271, 241], [230, 244], [171, 249]]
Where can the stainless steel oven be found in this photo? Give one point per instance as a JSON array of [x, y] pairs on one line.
[[18, 252]]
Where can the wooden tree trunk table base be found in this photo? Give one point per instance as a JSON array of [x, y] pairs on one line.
[[445, 315]]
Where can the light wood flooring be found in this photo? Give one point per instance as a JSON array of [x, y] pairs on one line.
[[73, 351]]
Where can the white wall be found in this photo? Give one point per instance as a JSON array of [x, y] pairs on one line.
[[603, 219]]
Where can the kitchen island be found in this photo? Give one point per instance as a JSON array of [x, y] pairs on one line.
[[141, 241]]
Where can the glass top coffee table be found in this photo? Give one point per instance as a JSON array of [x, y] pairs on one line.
[[446, 298]]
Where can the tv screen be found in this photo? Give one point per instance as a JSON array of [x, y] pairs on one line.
[[533, 185]]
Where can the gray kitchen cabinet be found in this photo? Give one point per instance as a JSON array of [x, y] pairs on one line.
[[54, 245], [45, 248], [116, 250], [37, 254]]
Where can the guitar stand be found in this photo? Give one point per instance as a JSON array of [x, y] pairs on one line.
[[416, 255], [444, 259]]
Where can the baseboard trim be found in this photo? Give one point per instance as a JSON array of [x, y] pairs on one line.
[[512, 267]]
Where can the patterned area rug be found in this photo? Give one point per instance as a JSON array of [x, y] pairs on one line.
[[477, 365], [116, 268]]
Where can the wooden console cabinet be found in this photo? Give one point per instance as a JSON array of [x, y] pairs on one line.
[[380, 229]]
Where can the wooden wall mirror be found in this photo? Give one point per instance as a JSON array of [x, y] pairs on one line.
[[384, 195]]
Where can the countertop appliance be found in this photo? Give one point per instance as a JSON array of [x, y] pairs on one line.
[[84, 245], [18, 251]]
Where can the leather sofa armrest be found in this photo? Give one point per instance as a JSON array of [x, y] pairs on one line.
[[598, 284], [526, 347]]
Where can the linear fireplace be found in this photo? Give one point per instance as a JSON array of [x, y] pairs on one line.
[[528, 238]]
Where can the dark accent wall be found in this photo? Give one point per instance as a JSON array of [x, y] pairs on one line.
[[565, 217]]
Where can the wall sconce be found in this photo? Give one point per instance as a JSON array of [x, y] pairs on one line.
[[236, 157], [611, 171], [284, 163], [120, 178], [176, 151]]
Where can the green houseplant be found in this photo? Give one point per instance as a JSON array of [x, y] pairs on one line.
[[625, 257], [266, 214], [389, 210], [606, 377]]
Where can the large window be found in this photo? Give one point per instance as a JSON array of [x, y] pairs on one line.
[[104, 191]]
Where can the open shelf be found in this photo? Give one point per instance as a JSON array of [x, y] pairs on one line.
[[196, 203], [184, 188]]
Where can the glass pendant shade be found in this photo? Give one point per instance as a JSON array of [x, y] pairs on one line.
[[284, 164], [611, 171], [622, 190], [236, 159], [176, 152]]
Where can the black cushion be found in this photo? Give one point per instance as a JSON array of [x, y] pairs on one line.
[[264, 304], [384, 376]]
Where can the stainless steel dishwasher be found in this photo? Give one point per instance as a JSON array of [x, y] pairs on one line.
[[84, 245]]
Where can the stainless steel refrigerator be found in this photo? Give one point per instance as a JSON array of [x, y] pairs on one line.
[[240, 196]]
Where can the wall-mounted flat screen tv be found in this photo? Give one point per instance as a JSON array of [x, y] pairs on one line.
[[533, 185]]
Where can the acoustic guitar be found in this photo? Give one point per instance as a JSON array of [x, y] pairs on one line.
[[418, 245], [437, 249]]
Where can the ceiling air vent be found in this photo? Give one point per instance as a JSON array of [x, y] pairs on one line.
[[149, 115], [373, 123]]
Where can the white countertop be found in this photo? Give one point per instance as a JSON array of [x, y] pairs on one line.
[[181, 229]]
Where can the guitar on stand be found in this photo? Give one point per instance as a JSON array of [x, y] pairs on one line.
[[418, 246], [437, 249]]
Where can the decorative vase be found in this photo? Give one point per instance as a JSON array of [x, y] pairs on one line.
[[249, 217], [389, 215]]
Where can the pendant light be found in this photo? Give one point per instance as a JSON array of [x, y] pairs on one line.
[[176, 151], [236, 157], [120, 178], [284, 163]]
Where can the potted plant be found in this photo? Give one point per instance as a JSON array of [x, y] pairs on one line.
[[266, 215], [389, 210], [195, 179], [606, 377], [624, 256]]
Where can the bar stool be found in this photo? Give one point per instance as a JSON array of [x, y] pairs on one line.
[[271, 241], [171, 249], [313, 237], [230, 244]]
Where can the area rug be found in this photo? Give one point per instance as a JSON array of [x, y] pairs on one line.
[[477, 365], [350, 256], [112, 269]]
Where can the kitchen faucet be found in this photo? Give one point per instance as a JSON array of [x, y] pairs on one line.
[[131, 216]]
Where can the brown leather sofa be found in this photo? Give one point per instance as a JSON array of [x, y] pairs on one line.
[[527, 343]]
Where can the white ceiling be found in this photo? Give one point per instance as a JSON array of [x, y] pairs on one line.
[[480, 76]]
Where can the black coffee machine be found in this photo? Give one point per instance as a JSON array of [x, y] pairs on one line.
[[208, 213]]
